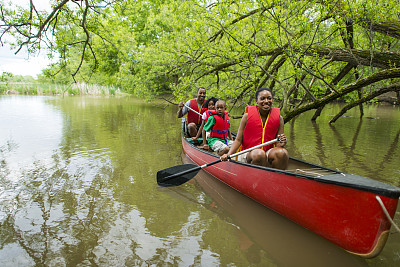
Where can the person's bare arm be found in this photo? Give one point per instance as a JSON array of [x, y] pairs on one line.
[[200, 131], [281, 134], [179, 113], [239, 138], [230, 135], [204, 134]]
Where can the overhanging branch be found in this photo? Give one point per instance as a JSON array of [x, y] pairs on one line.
[[391, 88], [376, 77]]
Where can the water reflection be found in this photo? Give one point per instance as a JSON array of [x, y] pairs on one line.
[[388, 155], [94, 201], [264, 234], [56, 214], [349, 151], [79, 188], [32, 124], [361, 146], [319, 145], [64, 214]]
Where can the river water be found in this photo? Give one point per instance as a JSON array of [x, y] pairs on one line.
[[78, 188]]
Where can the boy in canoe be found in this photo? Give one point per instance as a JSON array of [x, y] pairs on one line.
[[261, 124], [220, 139], [194, 108]]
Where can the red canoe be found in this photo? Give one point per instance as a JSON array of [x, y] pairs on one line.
[[348, 210]]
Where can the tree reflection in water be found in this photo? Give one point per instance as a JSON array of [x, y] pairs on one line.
[[53, 212], [94, 201]]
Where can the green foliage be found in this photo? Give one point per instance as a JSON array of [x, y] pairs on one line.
[[4, 79], [231, 48], [6, 76]]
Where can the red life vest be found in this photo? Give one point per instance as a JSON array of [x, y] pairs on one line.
[[255, 133], [221, 127], [210, 112], [192, 116]]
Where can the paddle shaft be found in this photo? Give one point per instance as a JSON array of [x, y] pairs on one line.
[[192, 109], [214, 162], [254, 147]]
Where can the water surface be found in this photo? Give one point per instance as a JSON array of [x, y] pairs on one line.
[[78, 187]]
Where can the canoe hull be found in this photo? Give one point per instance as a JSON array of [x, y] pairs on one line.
[[350, 218], [286, 242]]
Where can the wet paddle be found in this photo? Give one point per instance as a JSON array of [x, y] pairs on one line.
[[180, 174]]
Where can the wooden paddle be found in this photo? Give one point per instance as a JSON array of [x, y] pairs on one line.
[[180, 174]]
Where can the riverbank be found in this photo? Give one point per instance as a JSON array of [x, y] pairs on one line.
[[30, 88]]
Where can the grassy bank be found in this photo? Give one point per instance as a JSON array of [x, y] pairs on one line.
[[31, 88]]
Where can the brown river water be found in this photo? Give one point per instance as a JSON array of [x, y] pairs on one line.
[[78, 188]]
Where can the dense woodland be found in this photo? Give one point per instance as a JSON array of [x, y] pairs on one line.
[[309, 52]]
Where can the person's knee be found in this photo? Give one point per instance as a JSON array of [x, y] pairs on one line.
[[191, 126], [278, 158], [283, 154], [257, 157], [192, 129], [258, 153]]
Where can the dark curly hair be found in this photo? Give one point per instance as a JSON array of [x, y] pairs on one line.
[[210, 99]]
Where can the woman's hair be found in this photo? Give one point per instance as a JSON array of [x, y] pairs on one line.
[[263, 89], [213, 99]]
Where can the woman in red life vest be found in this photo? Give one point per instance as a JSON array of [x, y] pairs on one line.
[[193, 119], [261, 124], [220, 139]]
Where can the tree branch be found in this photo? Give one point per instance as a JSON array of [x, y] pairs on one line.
[[376, 77], [389, 28], [42, 26], [255, 11], [391, 88]]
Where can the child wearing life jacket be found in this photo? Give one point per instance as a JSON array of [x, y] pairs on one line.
[[218, 124], [210, 105]]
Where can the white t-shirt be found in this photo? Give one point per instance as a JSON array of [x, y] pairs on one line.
[[204, 116], [185, 110]]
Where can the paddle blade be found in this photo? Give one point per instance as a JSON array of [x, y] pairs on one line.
[[177, 175]]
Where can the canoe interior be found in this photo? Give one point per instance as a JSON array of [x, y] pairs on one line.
[[295, 165]]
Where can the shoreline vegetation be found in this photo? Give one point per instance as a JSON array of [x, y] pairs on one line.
[[81, 88], [32, 88]]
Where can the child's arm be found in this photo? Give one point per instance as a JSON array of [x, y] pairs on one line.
[[204, 137], [208, 126], [230, 135], [199, 131]]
